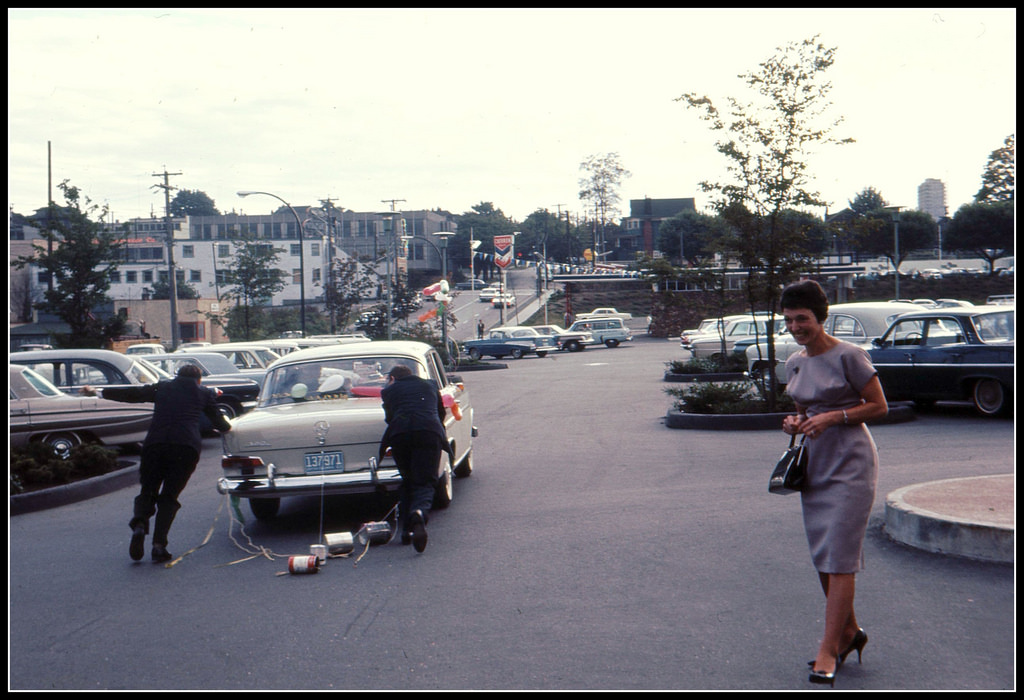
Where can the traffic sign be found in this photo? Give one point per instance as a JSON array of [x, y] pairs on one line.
[[503, 251]]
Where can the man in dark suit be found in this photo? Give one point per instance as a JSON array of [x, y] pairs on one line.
[[415, 413], [170, 452]]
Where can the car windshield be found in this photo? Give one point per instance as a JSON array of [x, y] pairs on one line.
[[995, 327], [145, 373], [330, 378], [39, 384]]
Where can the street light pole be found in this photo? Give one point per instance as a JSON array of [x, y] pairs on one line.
[[302, 256], [444, 236], [896, 245]]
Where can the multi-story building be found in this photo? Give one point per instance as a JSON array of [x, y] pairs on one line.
[[931, 198], [640, 229]]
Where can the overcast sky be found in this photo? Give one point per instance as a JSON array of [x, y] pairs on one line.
[[450, 108]]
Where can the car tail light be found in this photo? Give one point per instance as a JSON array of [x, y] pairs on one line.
[[240, 463]]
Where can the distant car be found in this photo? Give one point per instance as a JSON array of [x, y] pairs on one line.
[[604, 312], [145, 349], [608, 331], [488, 293], [33, 346], [855, 322], [507, 300], [949, 355], [573, 342], [319, 422], [470, 285], [739, 327], [40, 412], [238, 388], [194, 345], [516, 341], [245, 355]]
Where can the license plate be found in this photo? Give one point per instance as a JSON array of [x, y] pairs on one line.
[[322, 462]]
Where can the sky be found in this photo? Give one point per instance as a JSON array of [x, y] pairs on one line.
[[448, 108]]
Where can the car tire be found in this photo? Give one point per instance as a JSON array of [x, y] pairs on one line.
[[989, 397], [228, 410], [62, 443], [474, 354], [573, 346], [517, 354], [542, 353], [611, 342], [264, 508], [445, 491], [465, 467]]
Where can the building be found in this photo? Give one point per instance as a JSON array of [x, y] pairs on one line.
[[931, 198], [639, 234]]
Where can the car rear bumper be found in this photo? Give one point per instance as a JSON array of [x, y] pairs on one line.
[[363, 481]]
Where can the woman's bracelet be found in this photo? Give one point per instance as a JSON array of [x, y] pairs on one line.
[[846, 418]]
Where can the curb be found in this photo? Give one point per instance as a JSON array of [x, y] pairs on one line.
[[762, 421], [705, 377], [74, 492], [968, 528]]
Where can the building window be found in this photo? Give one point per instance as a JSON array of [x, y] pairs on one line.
[[131, 276], [296, 275], [314, 249], [195, 276], [223, 250], [188, 251], [115, 277], [192, 331], [296, 249], [316, 275], [147, 276]]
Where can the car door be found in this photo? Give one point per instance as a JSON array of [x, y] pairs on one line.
[[918, 358]]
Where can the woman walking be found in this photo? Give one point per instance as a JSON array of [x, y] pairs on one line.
[[836, 390]]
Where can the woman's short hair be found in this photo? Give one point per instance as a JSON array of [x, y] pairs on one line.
[[807, 294]]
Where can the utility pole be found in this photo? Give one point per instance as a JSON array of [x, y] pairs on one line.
[[172, 282], [329, 295], [389, 243]]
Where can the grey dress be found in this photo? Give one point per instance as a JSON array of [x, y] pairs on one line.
[[842, 468]]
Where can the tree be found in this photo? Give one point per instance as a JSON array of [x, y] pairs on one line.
[[483, 222], [997, 182], [253, 279], [192, 203], [697, 234], [161, 289], [600, 189], [982, 229], [766, 143], [876, 234], [79, 258], [353, 281], [867, 201]]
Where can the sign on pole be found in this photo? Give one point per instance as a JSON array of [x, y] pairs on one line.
[[503, 251]]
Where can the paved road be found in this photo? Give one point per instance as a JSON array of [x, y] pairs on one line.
[[593, 548]]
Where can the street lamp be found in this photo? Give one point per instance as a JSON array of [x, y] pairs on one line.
[[896, 245], [302, 264], [388, 221]]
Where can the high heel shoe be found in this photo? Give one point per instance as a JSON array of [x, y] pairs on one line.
[[822, 677], [859, 640]]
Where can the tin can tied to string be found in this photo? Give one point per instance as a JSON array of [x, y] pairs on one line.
[[303, 564], [339, 542]]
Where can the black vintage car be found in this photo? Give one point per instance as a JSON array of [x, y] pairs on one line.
[[953, 354]]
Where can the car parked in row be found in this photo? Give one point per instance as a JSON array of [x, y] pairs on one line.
[[736, 328], [573, 342], [608, 331], [855, 322], [40, 412], [949, 355], [319, 422], [510, 340]]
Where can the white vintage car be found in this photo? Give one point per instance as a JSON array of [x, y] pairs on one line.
[[319, 420]]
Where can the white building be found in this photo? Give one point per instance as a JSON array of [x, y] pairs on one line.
[[931, 198]]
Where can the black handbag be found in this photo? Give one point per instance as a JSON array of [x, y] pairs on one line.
[[789, 474]]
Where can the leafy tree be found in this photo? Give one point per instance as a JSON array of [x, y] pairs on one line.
[[766, 143], [192, 203], [483, 222], [877, 234], [697, 233], [997, 183], [868, 200], [984, 229], [353, 281], [253, 278], [79, 257], [161, 289], [599, 188]]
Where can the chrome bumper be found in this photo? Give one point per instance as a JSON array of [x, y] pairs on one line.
[[363, 481]]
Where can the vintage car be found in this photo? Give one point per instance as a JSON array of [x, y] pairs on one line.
[[856, 322], [319, 421], [949, 355], [609, 331], [488, 293], [506, 300], [510, 340], [238, 388], [735, 328], [40, 412], [70, 370], [604, 312], [573, 342]]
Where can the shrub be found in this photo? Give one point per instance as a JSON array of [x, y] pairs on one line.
[[725, 398], [35, 466], [708, 365]]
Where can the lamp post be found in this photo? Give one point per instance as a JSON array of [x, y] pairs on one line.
[[388, 222], [896, 245], [444, 236], [302, 264]]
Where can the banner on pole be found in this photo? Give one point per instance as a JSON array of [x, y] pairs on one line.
[[503, 251]]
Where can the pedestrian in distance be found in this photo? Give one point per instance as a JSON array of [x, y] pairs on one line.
[[836, 391], [480, 328], [415, 413], [170, 451]]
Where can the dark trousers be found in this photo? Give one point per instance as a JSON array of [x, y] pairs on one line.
[[417, 455], [163, 473]]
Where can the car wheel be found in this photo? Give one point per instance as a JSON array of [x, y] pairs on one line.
[[228, 410], [465, 467], [264, 508], [517, 353], [989, 397], [474, 354], [542, 353], [445, 491], [573, 346], [62, 443], [611, 342]]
